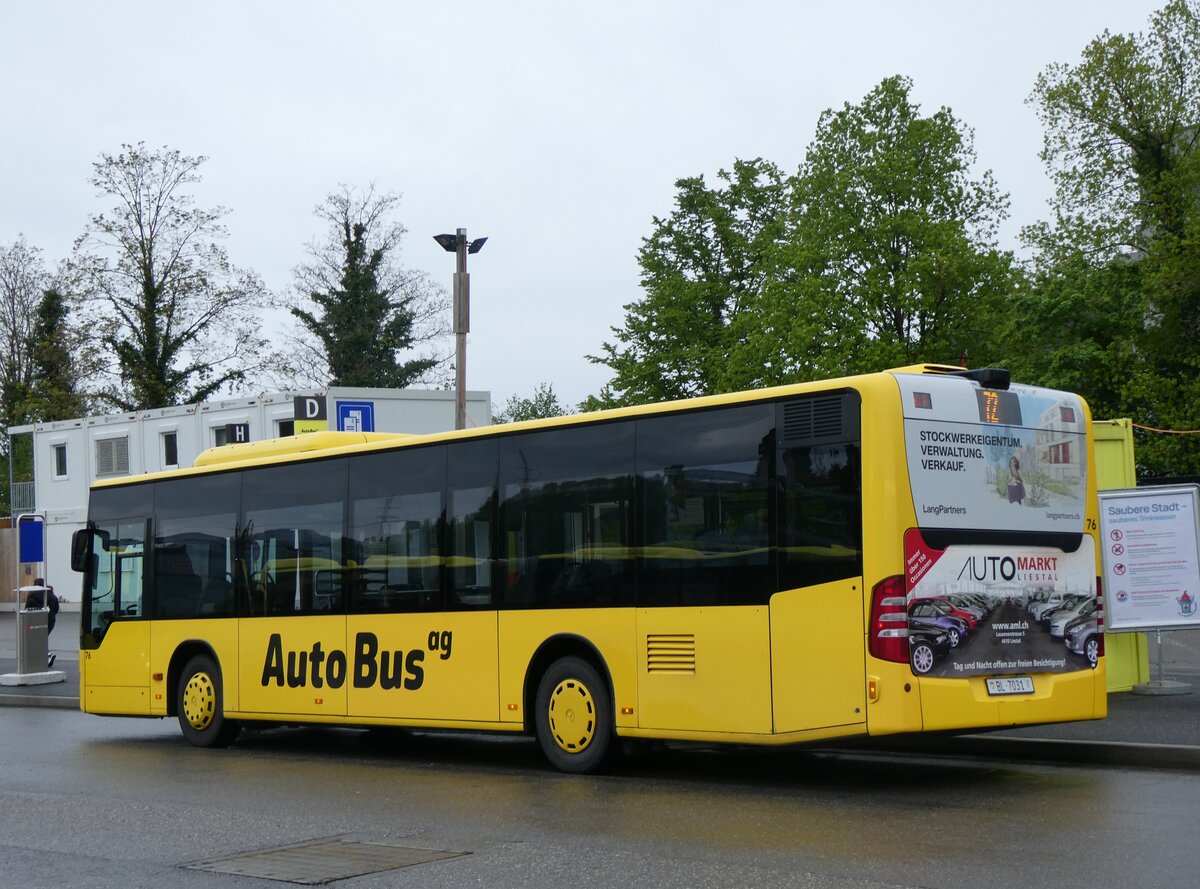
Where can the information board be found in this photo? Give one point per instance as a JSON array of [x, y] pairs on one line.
[[1151, 542]]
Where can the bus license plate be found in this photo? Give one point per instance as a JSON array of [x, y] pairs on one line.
[[1011, 685]]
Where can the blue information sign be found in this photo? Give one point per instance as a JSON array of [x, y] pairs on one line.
[[32, 541], [356, 416]]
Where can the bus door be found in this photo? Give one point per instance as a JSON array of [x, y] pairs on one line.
[[418, 653], [706, 570], [115, 639], [817, 646], [422, 625], [292, 643], [425, 666]]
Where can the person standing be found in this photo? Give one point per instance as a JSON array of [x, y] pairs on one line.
[[35, 600]]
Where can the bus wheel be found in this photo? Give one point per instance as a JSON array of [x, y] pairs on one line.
[[574, 717], [200, 706]]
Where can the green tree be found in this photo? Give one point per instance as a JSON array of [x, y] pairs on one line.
[[1122, 130], [702, 268], [544, 403], [891, 255], [23, 276], [1074, 326], [61, 357], [178, 321], [880, 251], [363, 310]]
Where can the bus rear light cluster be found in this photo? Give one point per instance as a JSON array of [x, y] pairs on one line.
[[888, 634]]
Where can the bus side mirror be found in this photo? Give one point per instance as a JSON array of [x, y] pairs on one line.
[[81, 547]]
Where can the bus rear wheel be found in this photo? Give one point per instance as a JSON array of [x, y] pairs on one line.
[[573, 716], [199, 705]]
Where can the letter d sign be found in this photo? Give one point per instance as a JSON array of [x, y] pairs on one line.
[[310, 413]]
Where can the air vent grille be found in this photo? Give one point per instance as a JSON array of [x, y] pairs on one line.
[[814, 419], [671, 653]]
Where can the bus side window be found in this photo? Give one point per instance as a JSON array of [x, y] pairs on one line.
[[821, 530], [568, 517], [470, 524], [396, 506], [706, 511], [293, 526], [194, 534]]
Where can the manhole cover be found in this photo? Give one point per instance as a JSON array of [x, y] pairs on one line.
[[323, 861]]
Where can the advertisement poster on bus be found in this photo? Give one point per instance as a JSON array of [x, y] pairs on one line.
[[1150, 556], [1013, 459], [1001, 609]]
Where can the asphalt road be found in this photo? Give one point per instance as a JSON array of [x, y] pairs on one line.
[[86, 801]]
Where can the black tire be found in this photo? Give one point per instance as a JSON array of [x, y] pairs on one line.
[[922, 658], [200, 705], [574, 718]]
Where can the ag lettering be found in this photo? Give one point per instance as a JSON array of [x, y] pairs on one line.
[[441, 642]]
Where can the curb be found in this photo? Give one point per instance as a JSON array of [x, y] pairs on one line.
[[60, 702], [1050, 750], [1117, 753]]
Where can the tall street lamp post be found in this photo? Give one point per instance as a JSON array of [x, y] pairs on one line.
[[459, 245]]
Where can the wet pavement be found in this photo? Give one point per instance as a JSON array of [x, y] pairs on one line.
[[1141, 730]]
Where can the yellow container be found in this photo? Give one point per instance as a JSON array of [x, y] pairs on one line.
[[1127, 654]]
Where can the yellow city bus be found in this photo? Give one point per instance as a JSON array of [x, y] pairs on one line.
[[869, 555]]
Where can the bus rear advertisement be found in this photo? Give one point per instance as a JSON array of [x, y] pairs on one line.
[[898, 552]]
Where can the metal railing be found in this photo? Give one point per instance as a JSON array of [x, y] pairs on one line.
[[22, 498]]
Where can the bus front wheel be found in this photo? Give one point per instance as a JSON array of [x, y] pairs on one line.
[[199, 704], [574, 717]]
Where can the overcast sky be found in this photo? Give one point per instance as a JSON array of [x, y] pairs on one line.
[[556, 129]]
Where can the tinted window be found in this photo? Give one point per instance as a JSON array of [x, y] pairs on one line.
[[706, 507], [395, 522], [194, 546], [292, 522], [113, 503], [471, 523], [567, 498], [821, 533]]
